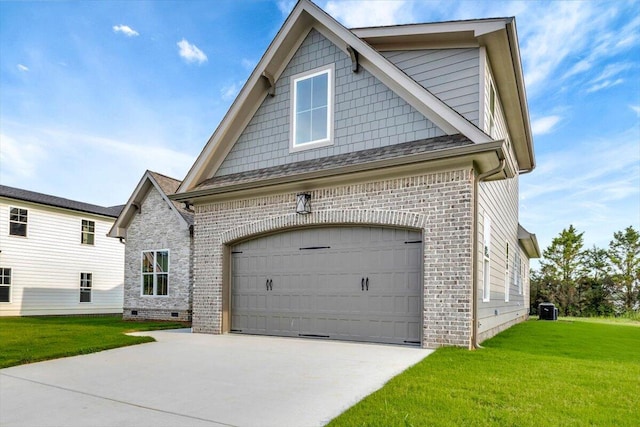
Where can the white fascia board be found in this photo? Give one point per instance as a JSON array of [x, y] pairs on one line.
[[477, 27]]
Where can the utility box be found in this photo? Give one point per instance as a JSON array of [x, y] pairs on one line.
[[547, 311]]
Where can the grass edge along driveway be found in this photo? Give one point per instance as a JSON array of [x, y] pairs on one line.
[[34, 339], [564, 373]]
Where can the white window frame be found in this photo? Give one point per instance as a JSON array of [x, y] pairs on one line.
[[486, 257], [330, 71], [507, 281], [88, 233], [154, 273], [518, 273], [86, 286], [25, 222], [5, 273]]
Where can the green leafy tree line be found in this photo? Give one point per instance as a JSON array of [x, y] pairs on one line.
[[589, 282]]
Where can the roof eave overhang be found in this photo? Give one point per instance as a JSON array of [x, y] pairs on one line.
[[483, 157], [499, 36], [528, 242]]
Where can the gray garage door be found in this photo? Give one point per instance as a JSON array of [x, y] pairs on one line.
[[346, 283]]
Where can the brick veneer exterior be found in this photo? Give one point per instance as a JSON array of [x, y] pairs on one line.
[[157, 227], [439, 204]]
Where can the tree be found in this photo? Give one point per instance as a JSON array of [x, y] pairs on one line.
[[595, 289], [561, 268], [624, 254]]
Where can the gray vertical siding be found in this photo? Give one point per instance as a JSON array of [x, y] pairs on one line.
[[453, 75], [367, 114]]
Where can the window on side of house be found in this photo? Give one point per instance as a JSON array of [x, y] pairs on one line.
[[88, 232], [5, 285], [507, 283], [517, 273], [492, 110], [486, 252], [155, 273], [18, 222], [86, 280], [312, 109]]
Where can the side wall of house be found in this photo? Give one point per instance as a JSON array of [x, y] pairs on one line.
[[367, 114], [439, 203], [157, 227], [47, 263], [507, 303]]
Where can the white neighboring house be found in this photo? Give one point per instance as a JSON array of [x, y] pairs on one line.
[[55, 256]]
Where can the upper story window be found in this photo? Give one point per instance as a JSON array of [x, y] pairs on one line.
[[88, 232], [18, 222], [492, 110], [5, 285], [155, 272], [312, 109]]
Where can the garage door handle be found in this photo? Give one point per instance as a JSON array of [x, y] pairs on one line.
[[367, 285], [267, 284], [270, 284], [362, 284]]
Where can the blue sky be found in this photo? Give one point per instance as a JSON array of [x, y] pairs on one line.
[[94, 93]]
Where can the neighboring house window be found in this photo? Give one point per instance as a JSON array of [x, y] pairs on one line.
[[5, 285], [88, 232], [85, 287], [18, 222], [486, 270], [155, 272], [507, 283], [312, 109]]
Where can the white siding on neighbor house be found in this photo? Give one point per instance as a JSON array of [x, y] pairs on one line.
[[367, 114], [499, 201], [453, 75], [46, 265]]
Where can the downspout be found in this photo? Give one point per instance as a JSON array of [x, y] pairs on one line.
[[474, 258]]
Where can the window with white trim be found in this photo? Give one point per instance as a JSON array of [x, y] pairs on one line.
[[85, 286], [517, 273], [18, 222], [87, 235], [312, 109], [492, 110], [486, 251], [5, 285], [507, 283], [155, 273]]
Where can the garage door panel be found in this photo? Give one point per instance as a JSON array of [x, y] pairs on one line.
[[316, 276]]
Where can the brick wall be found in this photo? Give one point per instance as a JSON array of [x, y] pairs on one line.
[[440, 204], [156, 227]]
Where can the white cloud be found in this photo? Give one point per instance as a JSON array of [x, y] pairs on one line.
[[635, 108], [126, 30], [19, 159], [249, 64], [190, 52], [230, 91], [370, 12], [604, 85], [23, 68], [544, 125], [286, 6]]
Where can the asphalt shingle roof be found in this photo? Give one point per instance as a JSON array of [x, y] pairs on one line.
[[60, 202], [340, 160]]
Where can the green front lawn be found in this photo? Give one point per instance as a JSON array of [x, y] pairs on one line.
[[564, 373], [32, 339]]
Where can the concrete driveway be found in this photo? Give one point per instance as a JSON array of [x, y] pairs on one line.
[[187, 379]]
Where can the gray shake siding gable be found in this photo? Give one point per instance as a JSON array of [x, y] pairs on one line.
[[440, 205], [367, 114], [157, 227]]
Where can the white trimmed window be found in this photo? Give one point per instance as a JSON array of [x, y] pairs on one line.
[[18, 222], [486, 251], [312, 109], [85, 287], [87, 236], [492, 110], [155, 273], [507, 283], [517, 273], [5, 285]]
